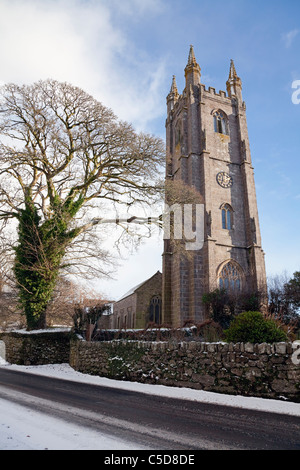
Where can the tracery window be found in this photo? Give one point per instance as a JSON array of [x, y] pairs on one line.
[[230, 277], [227, 217], [220, 124], [155, 310]]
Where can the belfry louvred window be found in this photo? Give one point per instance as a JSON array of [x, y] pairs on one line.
[[227, 217], [220, 122]]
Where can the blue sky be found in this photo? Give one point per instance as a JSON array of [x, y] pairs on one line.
[[124, 52]]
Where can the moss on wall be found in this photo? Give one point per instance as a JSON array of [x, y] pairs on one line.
[[37, 348], [246, 369]]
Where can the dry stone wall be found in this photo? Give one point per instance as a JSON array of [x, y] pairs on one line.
[[49, 347], [261, 370]]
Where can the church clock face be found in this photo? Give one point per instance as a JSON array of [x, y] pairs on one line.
[[224, 180]]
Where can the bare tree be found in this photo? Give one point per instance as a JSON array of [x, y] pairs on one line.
[[292, 291], [279, 305], [62, 153], [284, 298], [10, 313], [67, 296]]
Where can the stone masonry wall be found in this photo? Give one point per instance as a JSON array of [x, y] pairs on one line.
[[261, 370], [24, 348]]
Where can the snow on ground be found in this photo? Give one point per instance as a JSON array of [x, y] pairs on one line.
[[65, 371], [22, 428]]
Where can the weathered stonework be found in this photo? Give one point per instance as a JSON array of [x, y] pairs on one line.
[[133, 310], [261, 370], [196, 153], [29, 348]]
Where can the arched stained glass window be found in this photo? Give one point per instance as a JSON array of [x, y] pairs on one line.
[[220, 122], [230, 277]]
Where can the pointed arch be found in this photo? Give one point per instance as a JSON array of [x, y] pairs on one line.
[[230, 276], [227, 216], [155, 310], [220, 121], [178, 132]]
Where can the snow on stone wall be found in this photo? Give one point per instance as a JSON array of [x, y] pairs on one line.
[[262, 370]]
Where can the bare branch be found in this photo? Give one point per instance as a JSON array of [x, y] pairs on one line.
[[62, 153]]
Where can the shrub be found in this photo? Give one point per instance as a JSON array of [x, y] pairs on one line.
[[223, 305], [210, 331], [252, 327]]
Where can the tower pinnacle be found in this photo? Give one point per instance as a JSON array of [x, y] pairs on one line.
[[234, 83], [208, 151], [173, 95], [192, 70], [174, 88], [232, 71], [192, 58]]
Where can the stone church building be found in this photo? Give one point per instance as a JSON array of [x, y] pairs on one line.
[[141, 306], [208, 150]]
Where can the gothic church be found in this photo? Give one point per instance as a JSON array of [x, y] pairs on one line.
[[208, 149]]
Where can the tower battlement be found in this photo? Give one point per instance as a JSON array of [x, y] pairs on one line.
[[212, 90], [207, 148]]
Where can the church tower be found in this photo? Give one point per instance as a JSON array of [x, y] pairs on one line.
[[208, 149]]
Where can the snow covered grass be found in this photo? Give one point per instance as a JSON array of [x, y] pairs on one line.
[[64, 371]]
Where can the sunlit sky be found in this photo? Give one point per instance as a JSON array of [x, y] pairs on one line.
[[124, 53]]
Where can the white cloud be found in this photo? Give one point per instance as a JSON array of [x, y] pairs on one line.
[[82, 43], [137, 8], [288, 38], [85, 42]]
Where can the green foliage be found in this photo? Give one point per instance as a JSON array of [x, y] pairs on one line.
[[252, 327], [292, 290], [220, 305], [210, 331], [41, 248], [223, 305], [32, 295], [69, 150]]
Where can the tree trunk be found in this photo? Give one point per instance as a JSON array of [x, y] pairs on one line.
[[37, 323], [89, 331]]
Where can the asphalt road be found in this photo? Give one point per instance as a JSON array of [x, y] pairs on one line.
[[154, 422]]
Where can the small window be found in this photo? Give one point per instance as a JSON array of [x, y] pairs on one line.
[[227, 217], [155, 310], [178, 133], [220, 123]]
